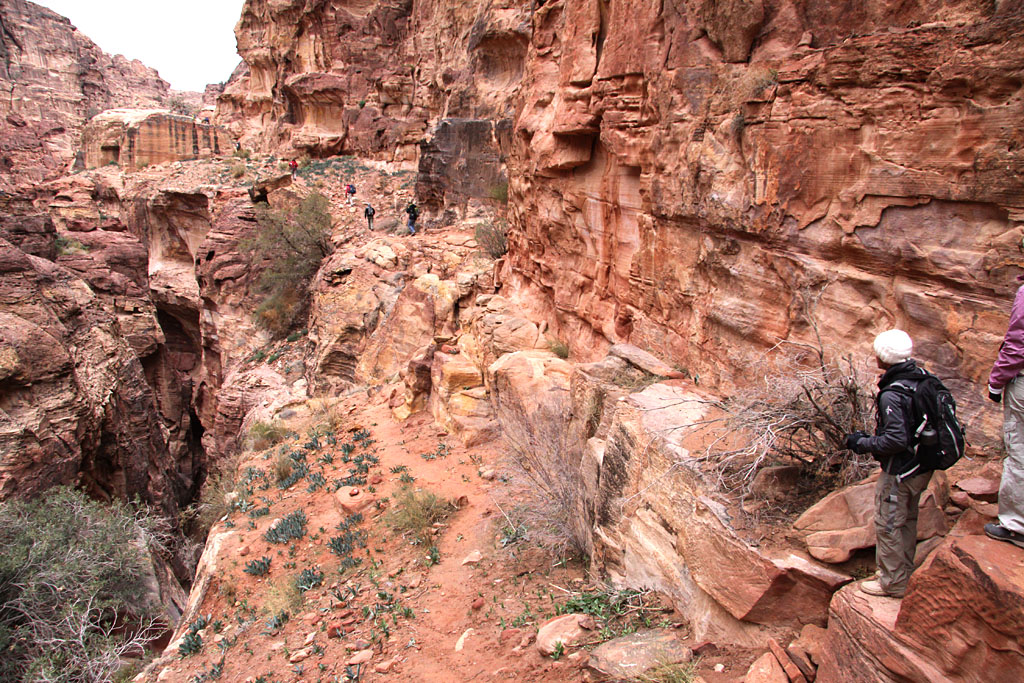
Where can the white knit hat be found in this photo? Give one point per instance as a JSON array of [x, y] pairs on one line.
[[893, 346]]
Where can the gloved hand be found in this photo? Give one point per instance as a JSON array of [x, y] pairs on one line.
[[995, 394], [852, 440]]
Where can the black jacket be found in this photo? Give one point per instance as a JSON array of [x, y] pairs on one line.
[[894, 426]]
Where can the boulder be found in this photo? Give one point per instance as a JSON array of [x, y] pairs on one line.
[[766, 669], [568, 629], [643, 360], [960, 621], [843, 521], [634, 655], [980, 488]]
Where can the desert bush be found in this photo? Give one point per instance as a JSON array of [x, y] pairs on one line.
[[69, 245], [416, 511], [177, 105], [213, 498], [544, 477], [290, 527], [493, 238], [266, 434], [241, 154], [808, 399], [283, 598], [684, 672], [559, 348], [289, 245], [499, 192], [72, 577], [238, 170]]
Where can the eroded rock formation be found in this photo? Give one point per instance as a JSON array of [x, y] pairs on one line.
[[134, 138], [55, 79]]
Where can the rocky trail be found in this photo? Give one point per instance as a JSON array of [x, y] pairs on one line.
[[467, 612]]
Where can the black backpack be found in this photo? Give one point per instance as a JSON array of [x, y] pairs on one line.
[[937, 436]]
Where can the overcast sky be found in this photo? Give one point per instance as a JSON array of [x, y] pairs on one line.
[[190, 42]]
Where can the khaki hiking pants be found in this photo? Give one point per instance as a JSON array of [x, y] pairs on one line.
[[896, 528], [1011, 488]]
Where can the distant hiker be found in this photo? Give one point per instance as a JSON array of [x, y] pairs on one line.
[[293, 166], [350, 191], [1005, 380], [238, 146], [902, 482], [206, 120], [413, 213], [369, 213]]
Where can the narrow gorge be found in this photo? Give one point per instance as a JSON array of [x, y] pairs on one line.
[[586, 423]]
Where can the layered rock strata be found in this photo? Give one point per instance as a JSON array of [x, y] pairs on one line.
[[134, 138], [706, 180], [56, 79]]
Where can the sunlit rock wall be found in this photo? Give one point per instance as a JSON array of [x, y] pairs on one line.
[[134, 138]]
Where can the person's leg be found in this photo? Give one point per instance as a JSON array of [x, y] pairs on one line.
[[1011, 488], [888, 538], [909, 496]]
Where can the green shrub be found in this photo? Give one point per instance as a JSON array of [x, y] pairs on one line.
[[289, 246], [266, 434], [309, 579], [72, 581], [238, 170], [416, 511], [241, 154], [257, 567], [559, 348], [493, 238], [499, 192]]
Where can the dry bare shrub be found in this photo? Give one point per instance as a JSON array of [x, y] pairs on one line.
[[493, 237], [799, 412], [544, 473], [266, 434]]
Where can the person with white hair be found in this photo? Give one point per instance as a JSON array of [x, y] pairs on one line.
[[902, 481]]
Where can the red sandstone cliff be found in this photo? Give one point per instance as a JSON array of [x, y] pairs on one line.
[[54, 79]]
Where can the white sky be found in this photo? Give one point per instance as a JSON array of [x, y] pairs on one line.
[[190, 42]]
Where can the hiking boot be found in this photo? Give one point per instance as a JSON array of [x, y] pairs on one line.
[[1001, 533], [874, 587]]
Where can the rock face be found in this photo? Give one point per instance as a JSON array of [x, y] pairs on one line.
[[966, 596], [428, 81], [56, 78], [132, 138], [688, 176]]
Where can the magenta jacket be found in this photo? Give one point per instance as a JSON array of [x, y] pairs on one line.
[[1011, 353]]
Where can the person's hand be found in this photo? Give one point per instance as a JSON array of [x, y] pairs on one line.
[[995, 394], [852, 440]]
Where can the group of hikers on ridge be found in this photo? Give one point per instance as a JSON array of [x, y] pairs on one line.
[[917, 432]]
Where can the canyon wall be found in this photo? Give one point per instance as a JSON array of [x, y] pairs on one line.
[[134, 138], [54, 79], [705, 180]]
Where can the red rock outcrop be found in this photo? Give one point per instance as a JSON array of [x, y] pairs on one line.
[[696, 177], [134, 138], [55, 79]]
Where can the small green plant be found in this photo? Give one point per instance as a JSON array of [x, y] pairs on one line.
[[559, 650], [559, 348], [499, 192], [309, 579], [292, 526], [241, 154], [258, 567], [191, 644], [433, 556], [69, 245]]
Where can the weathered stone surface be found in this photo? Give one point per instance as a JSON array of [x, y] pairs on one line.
[[631, 656], [56, 78], [967, 597], [980, 488], [766, 669], [843, 521], [568, 629], [134, 138], [642, 359]]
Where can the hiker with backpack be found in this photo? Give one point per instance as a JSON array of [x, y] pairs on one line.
[[1005, 382], [916, 433], [369, 212], [350, 191], [413, 212]]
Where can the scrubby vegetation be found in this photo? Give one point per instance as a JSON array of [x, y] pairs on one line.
[[72, 587], [289, 247], [416, 511], [493, 238]]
